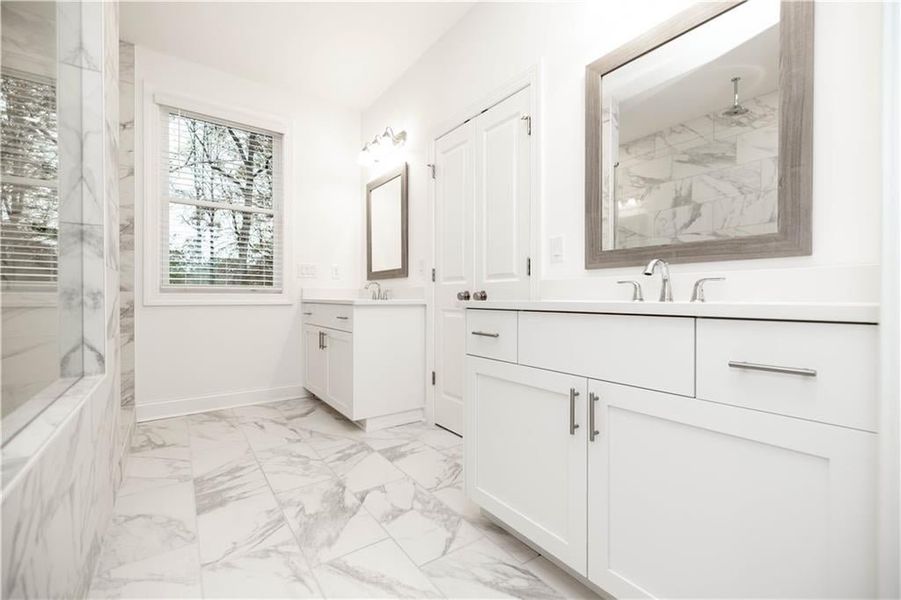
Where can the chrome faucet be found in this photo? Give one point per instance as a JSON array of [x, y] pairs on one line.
[[666, 290], [377, 292]]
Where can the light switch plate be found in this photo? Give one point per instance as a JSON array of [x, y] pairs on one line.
[[555, 245]]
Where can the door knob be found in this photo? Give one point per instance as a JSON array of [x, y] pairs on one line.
[[483, 295], [464, 295]]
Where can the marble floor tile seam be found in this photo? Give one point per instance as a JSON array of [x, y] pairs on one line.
[[401, 547], [376, 543], [286, 516]]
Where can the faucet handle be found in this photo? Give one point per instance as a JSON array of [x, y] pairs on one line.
[[636, 290], [697, 293]]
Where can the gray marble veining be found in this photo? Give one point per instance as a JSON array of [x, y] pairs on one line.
[[284, 518], [677, 184], [60, 494]]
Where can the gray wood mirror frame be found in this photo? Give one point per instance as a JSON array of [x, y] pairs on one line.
[[788, 231], [386, 225]]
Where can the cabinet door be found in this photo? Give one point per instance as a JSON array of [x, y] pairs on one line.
[[525, 464], [340, 379], [688, 498], [314, 361]]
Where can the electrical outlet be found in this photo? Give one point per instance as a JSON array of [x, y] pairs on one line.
[[336, 272], [555, 245], [306, 271]]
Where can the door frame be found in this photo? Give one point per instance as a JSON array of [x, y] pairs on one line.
[[531, 79]]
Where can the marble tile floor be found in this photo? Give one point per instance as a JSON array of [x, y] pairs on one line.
[[290, 500]]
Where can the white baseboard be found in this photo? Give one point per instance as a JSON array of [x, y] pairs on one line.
[[187, 406]]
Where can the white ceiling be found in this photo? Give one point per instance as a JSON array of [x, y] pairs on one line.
[[343, 52]]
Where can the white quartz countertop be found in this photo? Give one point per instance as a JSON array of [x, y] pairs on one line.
[[839, 313], [366, 301]]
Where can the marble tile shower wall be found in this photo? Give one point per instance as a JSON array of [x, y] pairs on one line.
[[61, 473], [127, 221], [708, 178]]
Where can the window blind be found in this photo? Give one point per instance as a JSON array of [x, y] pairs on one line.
[[29, 202], [221, 204]]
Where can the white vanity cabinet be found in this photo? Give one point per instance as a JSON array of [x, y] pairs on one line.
[[525, 454], [697, 499], [702, 479], [366, 359]]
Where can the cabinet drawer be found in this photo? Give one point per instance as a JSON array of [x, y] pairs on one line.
[[491, 334], [657, 353], [334, 316], [819, 371]]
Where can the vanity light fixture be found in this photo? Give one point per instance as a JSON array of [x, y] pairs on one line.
[[382, 145]]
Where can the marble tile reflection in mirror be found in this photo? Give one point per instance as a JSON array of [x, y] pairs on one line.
[[683, 158]]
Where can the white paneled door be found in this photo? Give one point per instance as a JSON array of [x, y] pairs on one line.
[[482, 224], [502, 178], [454, 160]]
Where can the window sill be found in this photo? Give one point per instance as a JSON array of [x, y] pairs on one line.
[[186, 298]]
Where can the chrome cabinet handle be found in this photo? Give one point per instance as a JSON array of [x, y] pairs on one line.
[[342, 318], [736, 364], [308, 314], [486, 334], [572, 411], [324, 337], [592, 433], [320, 340], [464, 295]]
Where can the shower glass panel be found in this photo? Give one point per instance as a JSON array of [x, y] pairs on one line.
[[40, 254]]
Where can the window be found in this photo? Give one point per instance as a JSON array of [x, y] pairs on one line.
[[29, 205], [222, 202]]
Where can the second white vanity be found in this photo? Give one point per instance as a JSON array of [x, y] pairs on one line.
[[678, 449], [366, 358]]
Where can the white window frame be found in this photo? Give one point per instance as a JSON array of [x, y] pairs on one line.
[[150, 242]]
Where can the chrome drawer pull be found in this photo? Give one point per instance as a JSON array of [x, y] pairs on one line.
[[572, 411], [342, 318], [735, 364], [486, 334], [308, 313], [592, 432]]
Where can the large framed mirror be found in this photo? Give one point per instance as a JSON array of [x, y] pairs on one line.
[[699, 138], [386, 226]]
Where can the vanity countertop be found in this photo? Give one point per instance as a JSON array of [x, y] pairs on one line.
[[839, 313], [366, 301]]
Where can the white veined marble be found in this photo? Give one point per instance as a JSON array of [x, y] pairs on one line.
[[290, 500]]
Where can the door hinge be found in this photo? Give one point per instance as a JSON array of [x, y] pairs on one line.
[[528, 267], [433, 275], [431, 167], [433, 377], [528, 120]]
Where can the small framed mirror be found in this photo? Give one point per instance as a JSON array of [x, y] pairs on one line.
[[386, 226], [699, 138]]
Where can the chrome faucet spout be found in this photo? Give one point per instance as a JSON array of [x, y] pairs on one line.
[[377, 292], [666, 289]]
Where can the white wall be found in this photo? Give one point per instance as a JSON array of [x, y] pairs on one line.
[[495, 42], [198, 357]]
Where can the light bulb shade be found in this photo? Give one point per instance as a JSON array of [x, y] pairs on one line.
[[382, 146]]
